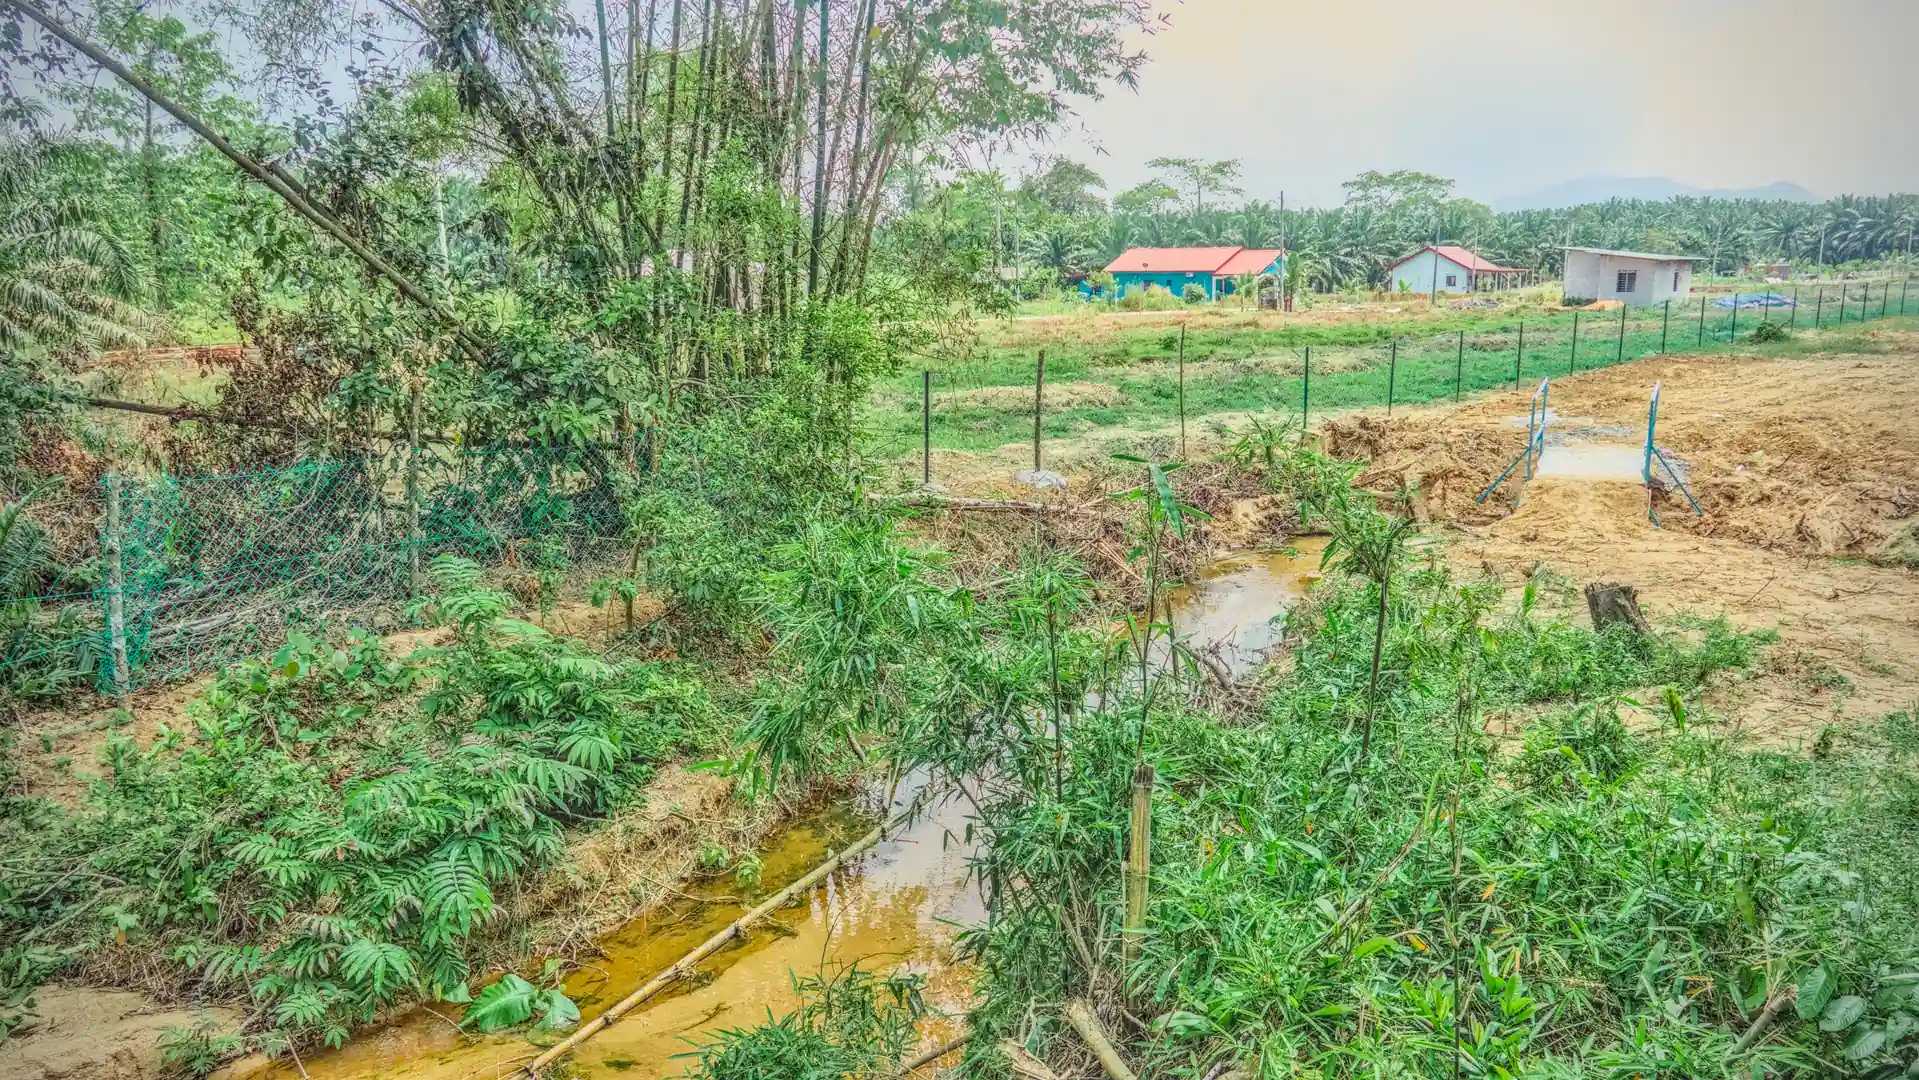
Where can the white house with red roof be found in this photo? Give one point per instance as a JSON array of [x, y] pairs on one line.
[[1215, 269], [1449, 268]]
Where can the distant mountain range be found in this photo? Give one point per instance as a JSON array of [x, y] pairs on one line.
[[1592, 189]]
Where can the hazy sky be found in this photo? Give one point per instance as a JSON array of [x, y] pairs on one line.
[[1509, 96]]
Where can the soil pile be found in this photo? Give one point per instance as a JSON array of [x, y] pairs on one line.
[[1443, 465]]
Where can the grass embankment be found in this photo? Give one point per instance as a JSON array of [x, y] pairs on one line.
[[1107, 374]]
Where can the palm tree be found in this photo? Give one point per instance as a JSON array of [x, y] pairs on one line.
[[66, 280]]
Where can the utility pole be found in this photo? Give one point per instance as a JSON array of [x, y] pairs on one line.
[[1433, 298]]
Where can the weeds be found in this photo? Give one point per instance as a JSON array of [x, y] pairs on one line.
[[849, 1023]]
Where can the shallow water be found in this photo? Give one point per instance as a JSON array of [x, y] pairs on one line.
[[1232, 610], [899, 905]]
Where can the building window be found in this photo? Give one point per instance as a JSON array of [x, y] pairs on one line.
[[1675, 281], [1628, 281], [1452, 280]]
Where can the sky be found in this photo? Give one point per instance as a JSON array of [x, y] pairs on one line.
[[1510, 96]]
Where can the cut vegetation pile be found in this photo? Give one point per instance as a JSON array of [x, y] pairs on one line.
[[1442, 466]]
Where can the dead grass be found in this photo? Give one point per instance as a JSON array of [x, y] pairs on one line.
[[1060, 395]]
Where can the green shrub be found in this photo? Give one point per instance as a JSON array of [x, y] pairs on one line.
[[848, 1024], [1768, 332], [1194, 293], [335, 828]]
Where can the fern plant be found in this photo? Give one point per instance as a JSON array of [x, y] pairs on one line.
[[329, 842]]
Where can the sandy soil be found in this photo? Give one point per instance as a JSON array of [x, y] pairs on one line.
[[1808, 469], [90, 1034]]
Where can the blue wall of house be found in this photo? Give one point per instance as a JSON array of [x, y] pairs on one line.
[[1176, 282]]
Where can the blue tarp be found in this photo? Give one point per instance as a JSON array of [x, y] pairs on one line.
[[1754, 300]]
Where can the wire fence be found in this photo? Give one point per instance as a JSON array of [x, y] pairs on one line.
[[974, 406], [191, 572]]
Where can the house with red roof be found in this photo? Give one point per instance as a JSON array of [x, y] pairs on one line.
[[1450, 268], [1214, 269]]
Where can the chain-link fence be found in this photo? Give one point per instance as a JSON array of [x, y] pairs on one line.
[[191, 572]]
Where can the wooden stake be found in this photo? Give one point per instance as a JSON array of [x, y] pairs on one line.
[[1039, 397]]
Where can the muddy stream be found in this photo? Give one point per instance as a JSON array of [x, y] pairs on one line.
[[900, 905]]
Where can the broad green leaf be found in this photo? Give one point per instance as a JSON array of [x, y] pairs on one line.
[[1370, 946], [1864, 1043], [502, 1005], [557, 1011], [1842, 1013], [1814, 991]]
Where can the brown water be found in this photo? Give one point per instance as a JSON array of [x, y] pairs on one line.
[[1232, 609], [898, 906]]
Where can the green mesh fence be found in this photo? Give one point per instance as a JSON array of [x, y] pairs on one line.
[[212, 568]]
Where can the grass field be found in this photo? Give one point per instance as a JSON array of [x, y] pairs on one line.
[[1122, 370]]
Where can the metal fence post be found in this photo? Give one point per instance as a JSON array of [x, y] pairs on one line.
[[1519, 357], [1039, 394], [1702, 320], [113, 547], [1572, 361], [1903, 286], [1620, 353], [1459, 367], [1819, 310], [1306, 391], [926, 428], [413, 491], [1665, 324], [1732, 334], [1844, 299], [1182, 390], [1392, 375], [1885, 300], [1792, 317]]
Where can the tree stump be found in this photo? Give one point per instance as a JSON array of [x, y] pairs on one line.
[[1614, 604]]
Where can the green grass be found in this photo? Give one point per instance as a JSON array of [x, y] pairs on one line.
[[1354, 367]]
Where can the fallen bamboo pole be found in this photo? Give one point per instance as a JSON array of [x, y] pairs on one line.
[[1080, 1015], [685, 964], [920, 1061]]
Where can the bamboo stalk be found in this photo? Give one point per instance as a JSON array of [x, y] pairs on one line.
[[1138, 862], [920, 1061], [1764, 1021], [685, 964], [1080, 1015]]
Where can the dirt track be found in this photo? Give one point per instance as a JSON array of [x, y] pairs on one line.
[[1808, 468]]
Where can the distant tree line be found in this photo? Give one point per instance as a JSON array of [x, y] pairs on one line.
[[1058, 221]]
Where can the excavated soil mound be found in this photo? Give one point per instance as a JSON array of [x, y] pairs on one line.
[[1442, 465]]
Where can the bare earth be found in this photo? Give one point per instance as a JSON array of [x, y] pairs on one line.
[[1808, 468]]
